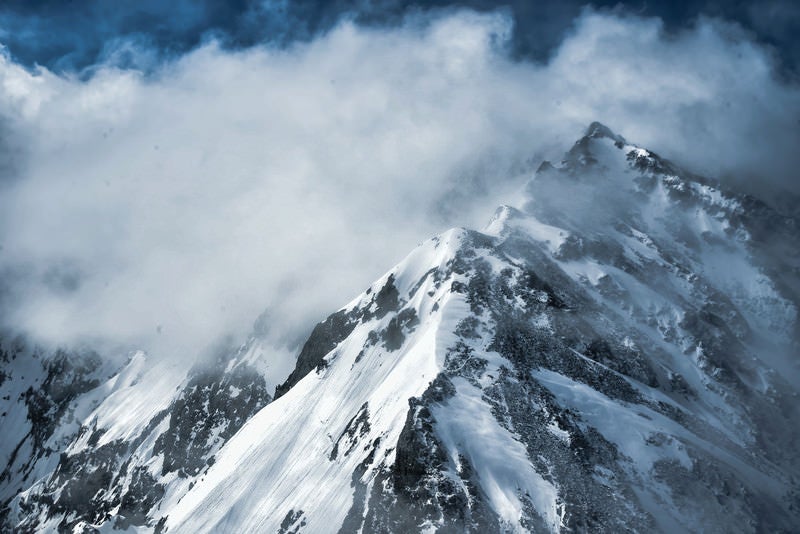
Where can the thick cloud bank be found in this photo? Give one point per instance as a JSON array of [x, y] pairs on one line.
[[169, 209]]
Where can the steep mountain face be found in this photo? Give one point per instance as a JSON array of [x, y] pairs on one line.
[[619, 353], [86, 444]]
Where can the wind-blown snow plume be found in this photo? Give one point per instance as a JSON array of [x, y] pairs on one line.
[[167, 209]]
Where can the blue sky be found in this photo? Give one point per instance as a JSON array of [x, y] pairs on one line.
[[71, 35]]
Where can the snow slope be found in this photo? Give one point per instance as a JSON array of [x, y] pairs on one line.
[[616, 353], [655, 376]]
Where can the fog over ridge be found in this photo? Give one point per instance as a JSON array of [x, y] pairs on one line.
[[166, 210]]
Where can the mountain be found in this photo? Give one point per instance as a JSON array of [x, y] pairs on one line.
[[617, 353]]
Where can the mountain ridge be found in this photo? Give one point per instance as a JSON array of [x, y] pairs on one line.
[[592, 360]]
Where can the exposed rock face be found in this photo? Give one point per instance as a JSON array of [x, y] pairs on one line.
[[91, 475], [619, 354], [213, 405]]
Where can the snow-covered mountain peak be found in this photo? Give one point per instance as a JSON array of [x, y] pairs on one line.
[[600, 153], [612, 357], [615, 354]]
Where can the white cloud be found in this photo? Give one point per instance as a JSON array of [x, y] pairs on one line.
[[227, 182]]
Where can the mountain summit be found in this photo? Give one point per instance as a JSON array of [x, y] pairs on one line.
[[617, 353]]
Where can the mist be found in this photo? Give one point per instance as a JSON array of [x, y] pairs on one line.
[[165, 209]]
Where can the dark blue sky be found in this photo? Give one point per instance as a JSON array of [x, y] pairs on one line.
[[71, 35]]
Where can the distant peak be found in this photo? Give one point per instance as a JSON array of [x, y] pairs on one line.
[[499, 221], [597, 130], [545, 166]]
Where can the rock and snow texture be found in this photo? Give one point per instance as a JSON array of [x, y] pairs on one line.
[[86, 444], [615, 354]]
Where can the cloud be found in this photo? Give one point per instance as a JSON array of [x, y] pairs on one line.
[[168, 209], [707, 97]]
